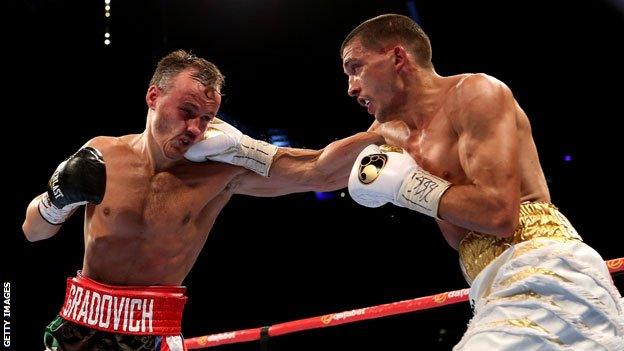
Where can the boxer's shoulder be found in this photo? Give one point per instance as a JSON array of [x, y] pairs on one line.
[[106, 142], [113, 144], [116, 151]]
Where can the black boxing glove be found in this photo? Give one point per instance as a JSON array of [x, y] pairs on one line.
[[78, 180]]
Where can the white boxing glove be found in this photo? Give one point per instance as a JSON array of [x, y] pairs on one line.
[[383, 174], [224, 143]]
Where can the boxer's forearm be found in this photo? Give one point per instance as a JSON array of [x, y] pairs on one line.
[[300, 170], [336, 160], [35, 227], [323, 170], [480, 210]]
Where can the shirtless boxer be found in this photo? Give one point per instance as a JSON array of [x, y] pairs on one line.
[[466, 157], [149, 210]]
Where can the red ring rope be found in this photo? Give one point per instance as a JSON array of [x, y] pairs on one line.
[[360, 314]]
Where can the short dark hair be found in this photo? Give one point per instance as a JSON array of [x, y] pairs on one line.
[[171, 65], [379, 31]]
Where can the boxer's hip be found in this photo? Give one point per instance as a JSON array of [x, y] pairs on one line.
[[96, 315], [536, 220]]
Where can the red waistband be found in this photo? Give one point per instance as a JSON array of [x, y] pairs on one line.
[[133, 310]]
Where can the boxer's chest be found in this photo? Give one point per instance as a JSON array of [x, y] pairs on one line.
[[162, 202], [435, 149]]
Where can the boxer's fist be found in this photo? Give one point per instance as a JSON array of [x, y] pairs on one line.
[[224, 143], [378, 173], [384, 174], [78, 180], [221, 143]]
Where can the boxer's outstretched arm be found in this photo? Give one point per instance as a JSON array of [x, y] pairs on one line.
[[299, 170], [488, 153]]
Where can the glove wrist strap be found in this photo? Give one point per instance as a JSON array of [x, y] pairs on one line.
[[53, 214], [255, 155], [421, 191]]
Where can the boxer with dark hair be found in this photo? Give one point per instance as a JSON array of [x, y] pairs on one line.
[[466, 157]]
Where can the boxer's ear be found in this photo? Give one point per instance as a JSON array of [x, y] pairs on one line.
[[152, 95]]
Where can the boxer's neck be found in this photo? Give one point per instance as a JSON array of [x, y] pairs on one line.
[[426, 91], [146, 146]]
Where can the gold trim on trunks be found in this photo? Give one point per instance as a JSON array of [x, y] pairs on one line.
[[537, 220]]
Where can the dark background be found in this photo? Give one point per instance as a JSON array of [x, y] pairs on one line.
[[272, 260]]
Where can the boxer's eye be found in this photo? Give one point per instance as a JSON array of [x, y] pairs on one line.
[[187, 112]]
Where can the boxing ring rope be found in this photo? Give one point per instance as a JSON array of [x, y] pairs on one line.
[[360, 314]]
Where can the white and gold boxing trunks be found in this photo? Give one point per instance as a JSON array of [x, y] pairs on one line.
[[541, 289]]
